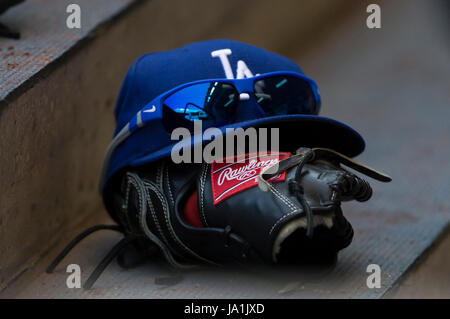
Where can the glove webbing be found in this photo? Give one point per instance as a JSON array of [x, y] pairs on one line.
[[299, 159]]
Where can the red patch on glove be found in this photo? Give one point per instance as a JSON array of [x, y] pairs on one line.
[[190, 211], [240, 173]]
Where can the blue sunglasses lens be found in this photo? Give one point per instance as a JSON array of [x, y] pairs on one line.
[[213, 103], [284, 94]]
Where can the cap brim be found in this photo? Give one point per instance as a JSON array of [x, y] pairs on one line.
[[294, 131]]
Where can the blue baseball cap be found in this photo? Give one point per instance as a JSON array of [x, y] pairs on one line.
[[153, 74]]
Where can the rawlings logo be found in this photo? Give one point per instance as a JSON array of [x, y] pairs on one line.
[[244, 172], [229, 179]]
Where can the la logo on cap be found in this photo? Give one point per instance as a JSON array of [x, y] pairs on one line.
[[242, 70]]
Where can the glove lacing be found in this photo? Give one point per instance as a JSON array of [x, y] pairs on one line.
[[299, 159], [114, 252], [297, 189], [118, 248]]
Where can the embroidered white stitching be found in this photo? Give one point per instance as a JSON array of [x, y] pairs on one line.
[[293, 207], [281, 219], [153, 212], [168, 186], [159, 174], [202, 191], [285, 199], [169, 226], [132, 181]]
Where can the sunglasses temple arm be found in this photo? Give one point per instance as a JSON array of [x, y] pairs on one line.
[[117, 140]]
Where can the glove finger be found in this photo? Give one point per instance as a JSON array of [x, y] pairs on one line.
[[351, 187], [359, 189]]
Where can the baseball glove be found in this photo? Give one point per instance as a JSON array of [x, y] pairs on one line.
[[274, 207]]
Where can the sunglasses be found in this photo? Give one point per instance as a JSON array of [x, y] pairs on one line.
[[215, 102]]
